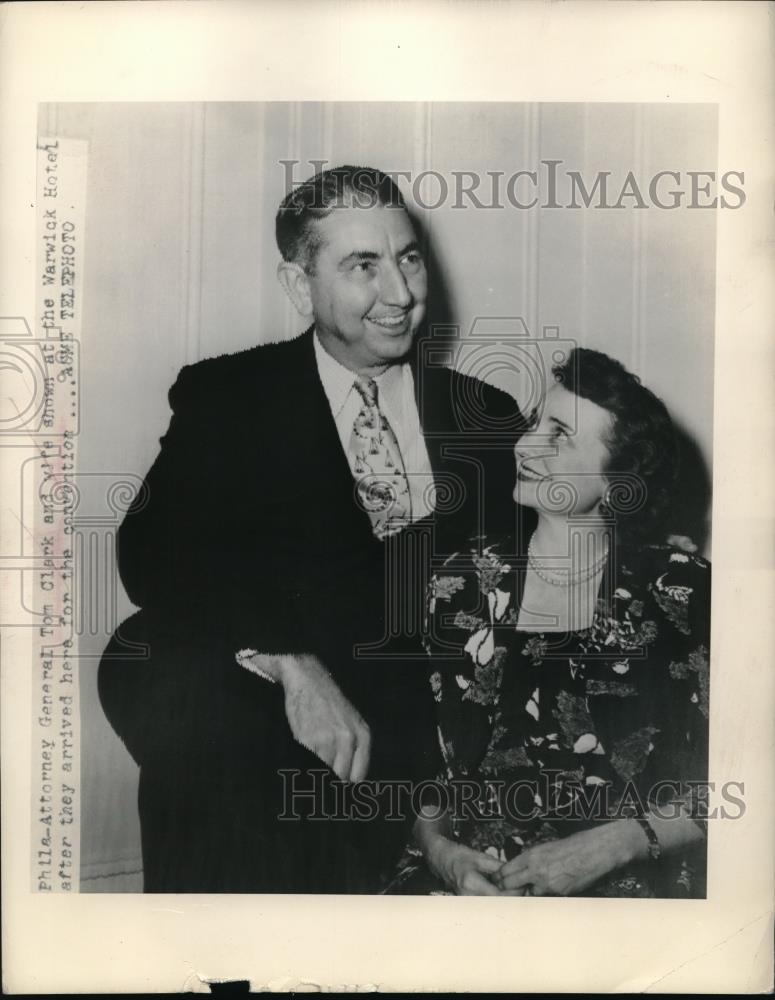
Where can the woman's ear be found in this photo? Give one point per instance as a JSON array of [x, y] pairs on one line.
[[295, 282], [604, 504]]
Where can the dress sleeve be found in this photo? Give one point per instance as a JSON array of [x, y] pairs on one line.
[[470, 601], [679, 599]]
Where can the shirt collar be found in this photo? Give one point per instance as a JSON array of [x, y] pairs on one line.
[[338, 381]]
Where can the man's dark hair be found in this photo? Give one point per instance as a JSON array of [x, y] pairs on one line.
[[642, 442], [315, 198]]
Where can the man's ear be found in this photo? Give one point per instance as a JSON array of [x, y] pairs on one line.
[[295, 281]]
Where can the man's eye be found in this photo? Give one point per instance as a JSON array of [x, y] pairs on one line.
[[364, 266]]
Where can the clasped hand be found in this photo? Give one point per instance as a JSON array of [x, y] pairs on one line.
[[557, 868]]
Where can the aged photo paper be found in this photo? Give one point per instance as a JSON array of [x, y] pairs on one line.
[[576, 183]]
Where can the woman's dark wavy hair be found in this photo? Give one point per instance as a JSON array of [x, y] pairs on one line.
[[315, 198], [643, 454]]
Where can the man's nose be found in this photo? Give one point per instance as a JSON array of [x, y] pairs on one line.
[[394, 290]]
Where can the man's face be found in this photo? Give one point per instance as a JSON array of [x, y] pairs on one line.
[[368, 287]]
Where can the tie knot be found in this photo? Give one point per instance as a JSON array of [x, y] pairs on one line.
[[367, 387]]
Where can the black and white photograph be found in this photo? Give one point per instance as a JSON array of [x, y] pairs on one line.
[[418, 578], [366, 455]]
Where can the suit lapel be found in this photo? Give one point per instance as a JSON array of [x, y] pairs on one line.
[[432, 389]]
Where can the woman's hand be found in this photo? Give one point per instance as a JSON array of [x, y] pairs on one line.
[[568, 866], [466, 871]]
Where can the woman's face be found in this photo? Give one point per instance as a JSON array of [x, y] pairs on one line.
[[560, 460]]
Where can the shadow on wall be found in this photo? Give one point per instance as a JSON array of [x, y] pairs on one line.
[[691, 508], [440, 308]]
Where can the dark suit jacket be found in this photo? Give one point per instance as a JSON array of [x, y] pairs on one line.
[[247, 534]]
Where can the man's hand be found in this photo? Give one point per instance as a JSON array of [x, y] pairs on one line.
[[320, 716], [568, 866], [466, 871]]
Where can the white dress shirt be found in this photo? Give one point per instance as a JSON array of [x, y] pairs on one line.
[[397, 401]]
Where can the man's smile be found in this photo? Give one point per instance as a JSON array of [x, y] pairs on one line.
[[392, 322]]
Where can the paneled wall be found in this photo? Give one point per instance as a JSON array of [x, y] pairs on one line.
[[180, 264]]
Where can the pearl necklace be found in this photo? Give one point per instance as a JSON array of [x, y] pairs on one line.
[[580, 576]]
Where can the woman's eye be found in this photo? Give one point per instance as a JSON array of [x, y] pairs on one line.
[[559, 434]]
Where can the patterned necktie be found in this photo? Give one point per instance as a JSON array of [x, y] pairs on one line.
[[381, 483]]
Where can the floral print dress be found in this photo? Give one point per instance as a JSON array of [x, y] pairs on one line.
[[546, 734]]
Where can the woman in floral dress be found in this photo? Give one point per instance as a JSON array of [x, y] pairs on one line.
[[572, 687]]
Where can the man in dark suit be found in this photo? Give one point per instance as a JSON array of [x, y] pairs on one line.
[[302, 491]]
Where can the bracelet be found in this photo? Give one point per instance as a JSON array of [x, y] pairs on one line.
[[655, 851]]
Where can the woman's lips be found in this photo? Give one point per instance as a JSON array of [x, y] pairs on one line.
[[527, 474]]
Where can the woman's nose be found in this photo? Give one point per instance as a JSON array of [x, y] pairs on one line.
[[526, 441], [532, 445]]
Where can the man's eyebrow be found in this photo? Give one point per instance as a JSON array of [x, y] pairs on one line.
[[409, 248], [359, 255]]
